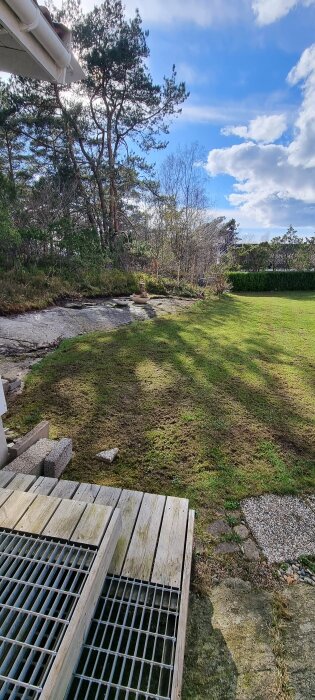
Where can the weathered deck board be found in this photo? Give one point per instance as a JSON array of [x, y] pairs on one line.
[[87, 492], [183, 612], [65, 519], [65, 489], [5, 478], [14, 507], [140, 555], [170, 550], [128, 504], [108, 496], [92, 524], [22, 482], [4, 495], [44, 485], [38, 514]]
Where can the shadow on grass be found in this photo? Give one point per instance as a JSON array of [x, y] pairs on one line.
[[207, 405]]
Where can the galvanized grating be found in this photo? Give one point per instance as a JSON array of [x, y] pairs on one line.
[[130, 647], [40, 582]]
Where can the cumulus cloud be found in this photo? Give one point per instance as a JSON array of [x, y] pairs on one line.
[[263, 129], [275, 183], [269, 11], [302, 149]]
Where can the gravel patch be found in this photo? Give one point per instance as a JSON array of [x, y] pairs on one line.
[[284, 526]]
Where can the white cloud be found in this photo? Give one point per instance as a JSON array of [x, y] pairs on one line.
[[206, 13], [302, 149], [252, 230], [201, 12], [220, 113], [269, 11], [263, 129], [275, 184]]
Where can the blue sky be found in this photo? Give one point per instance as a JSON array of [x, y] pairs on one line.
[[250, 69]]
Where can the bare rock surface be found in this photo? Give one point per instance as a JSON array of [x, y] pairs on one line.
[[298, 637], [26, 337], [42, 329], [283, 526], [244, 618], [240, 648]]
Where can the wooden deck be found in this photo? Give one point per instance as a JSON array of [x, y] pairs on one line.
[[154, 528], [156, 538]]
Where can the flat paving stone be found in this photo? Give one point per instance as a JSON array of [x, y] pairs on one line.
[[250, 550], [226, 548], [241, 531], [283, 526], [219, 528]]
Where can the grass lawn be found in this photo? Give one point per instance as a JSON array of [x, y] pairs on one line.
[[215, 404]]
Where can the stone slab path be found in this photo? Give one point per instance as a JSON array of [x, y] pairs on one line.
[[283, 526]]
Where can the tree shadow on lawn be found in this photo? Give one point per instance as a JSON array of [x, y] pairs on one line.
[[194, 409], [200, 405]]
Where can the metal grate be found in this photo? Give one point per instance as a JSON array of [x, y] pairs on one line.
[[40, 583], [130, 647]]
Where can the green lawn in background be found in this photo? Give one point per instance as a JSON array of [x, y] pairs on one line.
[[214, 404]]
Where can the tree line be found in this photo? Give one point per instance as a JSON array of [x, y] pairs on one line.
[[77, 184], [287, 252]]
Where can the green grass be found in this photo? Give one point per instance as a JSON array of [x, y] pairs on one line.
[[214, 404]]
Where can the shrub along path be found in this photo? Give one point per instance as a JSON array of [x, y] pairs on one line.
[[215, 404]]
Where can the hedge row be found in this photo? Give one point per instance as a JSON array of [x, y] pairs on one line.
[[272, 281]]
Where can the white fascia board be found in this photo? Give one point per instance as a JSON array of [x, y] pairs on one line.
[[40, 42]]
